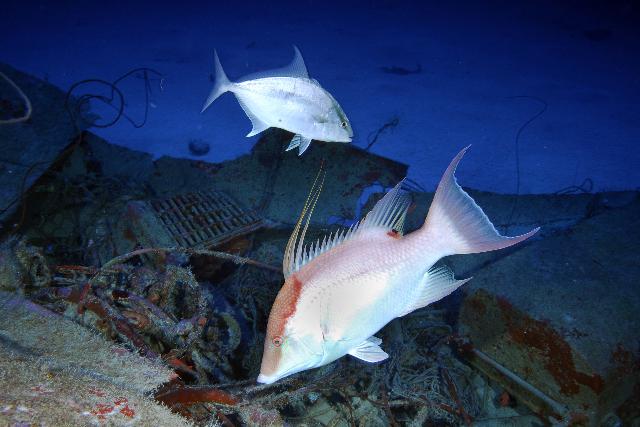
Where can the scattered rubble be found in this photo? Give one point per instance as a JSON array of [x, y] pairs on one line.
[[178, 262], [29, 146], [561, 313]]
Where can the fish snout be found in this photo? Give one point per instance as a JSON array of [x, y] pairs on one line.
[[347, 137], [297, 355]]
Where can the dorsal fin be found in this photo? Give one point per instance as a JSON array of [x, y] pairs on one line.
[[388, 214], [293, 251], [390, 211], [296, 68]]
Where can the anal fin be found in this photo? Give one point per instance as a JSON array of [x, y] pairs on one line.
[[257, 124], [299, 141], [304, 144], [370, 351], [436, 284]]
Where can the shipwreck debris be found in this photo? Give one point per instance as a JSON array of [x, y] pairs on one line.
[[124, 245], [194, 220], [553, 336]]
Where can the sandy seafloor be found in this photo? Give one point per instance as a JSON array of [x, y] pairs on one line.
[[480, 62]]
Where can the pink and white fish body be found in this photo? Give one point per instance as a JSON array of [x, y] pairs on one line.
[[339, 292]]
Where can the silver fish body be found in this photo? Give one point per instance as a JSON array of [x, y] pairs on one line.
[[287, 99]]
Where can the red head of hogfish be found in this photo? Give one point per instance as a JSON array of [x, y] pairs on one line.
[[286, 350]]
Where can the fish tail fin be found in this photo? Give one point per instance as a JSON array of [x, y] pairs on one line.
[[457, 225], [221, 84]]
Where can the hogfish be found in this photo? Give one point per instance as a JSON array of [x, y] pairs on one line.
[[339, 292]]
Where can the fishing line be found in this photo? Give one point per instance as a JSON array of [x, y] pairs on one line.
[[413, 186], [373, 136], [517, 149], [115, 100], [75, 108], [585, 187], [27, 103]]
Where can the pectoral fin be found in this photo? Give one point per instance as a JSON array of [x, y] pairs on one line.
[[370, 351]]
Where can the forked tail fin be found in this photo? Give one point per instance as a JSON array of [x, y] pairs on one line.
[[221, 84], [457, 225]]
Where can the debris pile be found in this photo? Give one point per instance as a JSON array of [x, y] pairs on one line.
[[131, 286]]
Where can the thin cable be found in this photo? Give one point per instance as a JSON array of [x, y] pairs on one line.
[[517, 147], [27, 115]]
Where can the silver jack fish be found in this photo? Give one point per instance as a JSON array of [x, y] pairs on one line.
[[339, 292], [288, 99]]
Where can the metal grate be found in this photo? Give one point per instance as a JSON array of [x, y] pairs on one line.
[[204, 218]]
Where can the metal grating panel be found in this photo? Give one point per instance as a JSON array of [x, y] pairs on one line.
[[204, 218]]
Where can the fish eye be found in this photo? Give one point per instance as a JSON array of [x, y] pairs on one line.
[[277, 341], [343, 125]]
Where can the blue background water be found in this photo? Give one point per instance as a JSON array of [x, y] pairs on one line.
[[484, 67]]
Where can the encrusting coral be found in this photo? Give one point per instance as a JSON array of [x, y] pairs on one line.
[[55, 372]]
